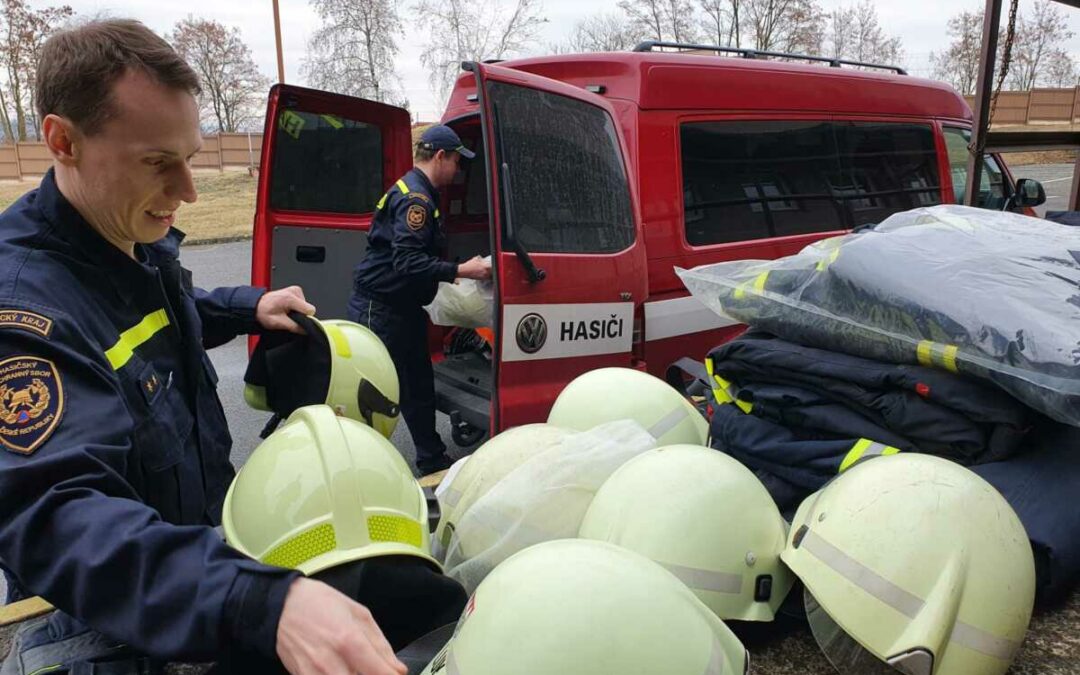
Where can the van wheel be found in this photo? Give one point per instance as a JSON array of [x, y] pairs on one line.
[[466, 435]]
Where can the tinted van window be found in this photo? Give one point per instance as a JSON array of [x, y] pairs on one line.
[[568, 188], [756, 179], [325, 163]]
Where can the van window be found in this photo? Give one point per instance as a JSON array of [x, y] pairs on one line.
[[992, 188], [756, 179], [568, 186], [325, 163]]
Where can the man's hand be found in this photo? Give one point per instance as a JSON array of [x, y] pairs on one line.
[[322, 632], [476, 268], [273, 309]]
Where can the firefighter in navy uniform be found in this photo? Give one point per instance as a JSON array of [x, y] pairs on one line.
[[401, 273], [115, 450]]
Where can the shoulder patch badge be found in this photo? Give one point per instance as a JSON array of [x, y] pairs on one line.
[[31, 402], [31, 321], [416, 216]]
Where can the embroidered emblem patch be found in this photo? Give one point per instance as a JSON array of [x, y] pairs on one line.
[[416, 216], [18, 318], [31, 402]]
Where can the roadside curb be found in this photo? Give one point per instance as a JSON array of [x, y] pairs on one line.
[[216, 240]]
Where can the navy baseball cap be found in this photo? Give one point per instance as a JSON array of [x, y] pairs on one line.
[[442, 137]]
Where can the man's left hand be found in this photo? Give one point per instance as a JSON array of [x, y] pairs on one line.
[[273, 309]]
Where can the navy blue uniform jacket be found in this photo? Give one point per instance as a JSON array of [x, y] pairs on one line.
[[402, 264], [115, 458]]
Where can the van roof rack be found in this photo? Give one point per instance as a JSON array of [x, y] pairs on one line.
[[651, 45]]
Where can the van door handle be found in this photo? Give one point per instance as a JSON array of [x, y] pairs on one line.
[[311, 254]]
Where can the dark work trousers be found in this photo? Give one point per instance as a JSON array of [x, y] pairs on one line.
[[403, 329]]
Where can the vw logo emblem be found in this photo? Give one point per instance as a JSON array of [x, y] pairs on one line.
[[531, 333]]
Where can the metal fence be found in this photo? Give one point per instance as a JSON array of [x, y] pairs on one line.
[[1038, 106], [221, 151]]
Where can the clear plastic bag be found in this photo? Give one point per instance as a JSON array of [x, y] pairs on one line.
[[466, 303], [543, 499], [989, 294]]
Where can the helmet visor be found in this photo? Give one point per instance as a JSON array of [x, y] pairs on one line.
[[851, 658]]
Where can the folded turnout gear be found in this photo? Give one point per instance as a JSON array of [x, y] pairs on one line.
[[805, 414]]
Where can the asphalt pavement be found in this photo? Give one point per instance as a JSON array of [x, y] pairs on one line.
[[1056, 180], [230, 265]]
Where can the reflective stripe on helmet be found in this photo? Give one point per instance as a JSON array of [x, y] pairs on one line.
[[668, 422], [864, 449], [902, 601], [705, 580], [303, 547], [395, 528], [338, 339]]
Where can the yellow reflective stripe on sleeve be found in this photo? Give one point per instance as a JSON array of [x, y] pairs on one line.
[[922, 353], [824, 263], [436, 213], [864, 448], [402, 186], [382, 202], [121, 352], [758, 285], [340, 342], [725, 393], [931, 353], [948, 357]]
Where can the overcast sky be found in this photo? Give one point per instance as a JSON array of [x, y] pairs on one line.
[[920, 23]]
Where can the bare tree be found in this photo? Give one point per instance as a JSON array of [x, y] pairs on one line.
[[23, 31], [473, 30], [958, 64], [1038, 37], [233, 87], [785, 25], [603, 32], [1061, 70], [665, 20], [854, 33], [722, 20], [353, 51]]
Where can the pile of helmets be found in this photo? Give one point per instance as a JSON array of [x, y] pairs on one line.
[[904, 564]]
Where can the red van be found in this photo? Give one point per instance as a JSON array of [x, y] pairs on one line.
[[596, 175]]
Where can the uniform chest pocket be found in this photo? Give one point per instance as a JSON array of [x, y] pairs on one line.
[[164, 423]]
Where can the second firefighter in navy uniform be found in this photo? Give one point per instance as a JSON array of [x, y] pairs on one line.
[[401, 273]]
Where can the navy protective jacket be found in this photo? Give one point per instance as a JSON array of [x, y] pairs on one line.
[[806, 414], [115, 458], [402, 264]]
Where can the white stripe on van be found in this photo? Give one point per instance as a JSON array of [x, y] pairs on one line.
[[681, 316]]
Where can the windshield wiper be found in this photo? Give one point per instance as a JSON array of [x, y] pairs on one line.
[[534, 273]]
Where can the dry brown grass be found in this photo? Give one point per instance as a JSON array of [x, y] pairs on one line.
[[1040, 157], [224, 210]]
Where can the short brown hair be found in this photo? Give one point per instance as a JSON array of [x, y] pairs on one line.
[[79, 66], [423, 153]]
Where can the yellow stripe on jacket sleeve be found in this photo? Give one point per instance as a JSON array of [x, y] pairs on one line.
[[120, 353]]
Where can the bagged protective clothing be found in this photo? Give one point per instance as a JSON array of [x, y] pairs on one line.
[[988, 294]]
